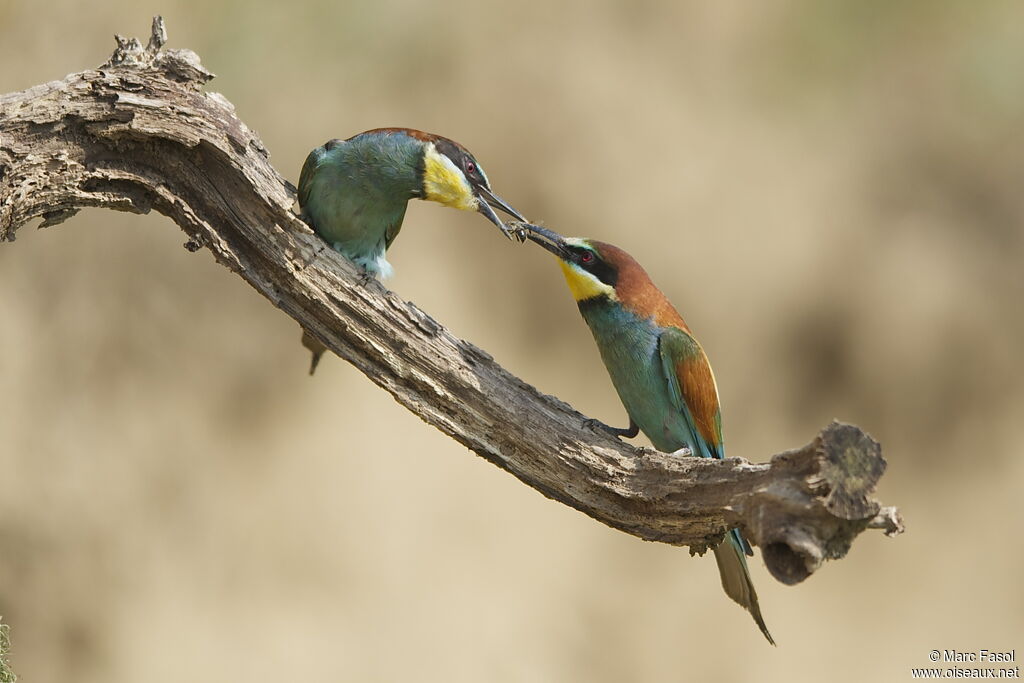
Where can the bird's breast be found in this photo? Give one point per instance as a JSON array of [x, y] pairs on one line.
[[629, 349]]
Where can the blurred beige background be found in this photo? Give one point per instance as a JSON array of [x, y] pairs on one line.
[[829, 191]]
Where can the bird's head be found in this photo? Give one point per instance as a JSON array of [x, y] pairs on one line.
[[451, 176], [598, 271], [591, 268]]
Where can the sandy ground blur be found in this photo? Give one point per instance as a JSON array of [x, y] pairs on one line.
[[829, 191]]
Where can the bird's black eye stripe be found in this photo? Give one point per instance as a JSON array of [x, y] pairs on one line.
[[584, 257], [588, 260]]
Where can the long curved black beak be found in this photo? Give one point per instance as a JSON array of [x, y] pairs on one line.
[[487, 200], [549, 239]]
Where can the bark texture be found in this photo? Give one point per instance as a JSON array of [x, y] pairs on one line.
[[6, 675], [140, 133]]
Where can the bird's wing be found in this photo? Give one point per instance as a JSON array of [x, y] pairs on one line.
[[310, 166], [392, 230], [692, 389], [306, 176]]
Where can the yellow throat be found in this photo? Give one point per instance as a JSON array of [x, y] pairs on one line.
[[444, 183], [584, 285]]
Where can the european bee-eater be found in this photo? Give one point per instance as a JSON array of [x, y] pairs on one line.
[[659, 370], [354, 192]]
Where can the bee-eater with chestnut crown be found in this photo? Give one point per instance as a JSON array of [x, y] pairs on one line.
[[659, 370], [354, 193]]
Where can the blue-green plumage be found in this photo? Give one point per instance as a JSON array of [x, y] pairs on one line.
[[354, 193], [658, 369], [629, 348], [641, 357]]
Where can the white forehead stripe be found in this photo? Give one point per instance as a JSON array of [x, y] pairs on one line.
[[480, 170]]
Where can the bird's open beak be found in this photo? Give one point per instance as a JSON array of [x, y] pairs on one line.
[[488, 199], [499, 203], [548, 239]]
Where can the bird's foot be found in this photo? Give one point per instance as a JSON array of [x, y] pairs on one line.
[[683, 452], [375, 266], [599, 426], [366, 277]]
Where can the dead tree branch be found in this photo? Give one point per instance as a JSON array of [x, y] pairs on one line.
[[6, 675], [139, 134]]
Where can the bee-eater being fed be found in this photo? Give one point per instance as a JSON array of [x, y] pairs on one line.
[[659, 370], [354, 192]]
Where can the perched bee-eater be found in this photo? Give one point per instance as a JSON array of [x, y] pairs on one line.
[[659, 370], [354, 192]]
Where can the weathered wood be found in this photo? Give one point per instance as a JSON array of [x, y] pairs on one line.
[[6, 675], [139, 134]]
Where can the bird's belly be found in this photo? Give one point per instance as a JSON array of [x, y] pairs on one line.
[[630, 352], [346, 223]]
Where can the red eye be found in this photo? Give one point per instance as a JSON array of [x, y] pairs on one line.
[[586, 258], [470, 167]]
